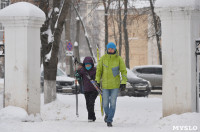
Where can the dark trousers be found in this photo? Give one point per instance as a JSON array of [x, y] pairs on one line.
[[81, 86], [90, 98]]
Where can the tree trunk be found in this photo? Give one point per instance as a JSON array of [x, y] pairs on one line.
[[156, 32], [69, 63], [126, 33], [114, 31], [106, 28], [55, 23], [106, 9], [76, 48], [120, 28]]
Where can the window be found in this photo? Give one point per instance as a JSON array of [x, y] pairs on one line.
[[139, 70], [4, 3], [1, 36], [60, 73], [148, 70], [158, 71]]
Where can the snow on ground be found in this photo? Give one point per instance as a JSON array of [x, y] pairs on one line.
[[132, 114]]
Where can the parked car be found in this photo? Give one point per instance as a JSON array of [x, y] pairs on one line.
[[64, 84], [136, 86], [151, 73]]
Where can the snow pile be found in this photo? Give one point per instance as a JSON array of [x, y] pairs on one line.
[[22, 9], [50, 41], [182, 122], [178, 3], [77, 18], [56, 9], [75, 43], [17, 114], [13, 113]]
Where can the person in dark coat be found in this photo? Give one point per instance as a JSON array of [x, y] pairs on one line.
[[90, 92]]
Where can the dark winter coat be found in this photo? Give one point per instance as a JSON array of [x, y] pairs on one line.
[[92, 72]]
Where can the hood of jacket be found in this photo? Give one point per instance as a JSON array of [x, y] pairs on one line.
[[88, 60]]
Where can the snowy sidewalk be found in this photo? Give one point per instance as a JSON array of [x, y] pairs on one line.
[[132, 115]]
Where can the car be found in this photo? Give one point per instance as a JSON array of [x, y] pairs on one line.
[[136, 86], [64, 84], [151, 73]]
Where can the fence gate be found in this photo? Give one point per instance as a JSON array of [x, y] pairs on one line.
[[2, 68], [197, 43]]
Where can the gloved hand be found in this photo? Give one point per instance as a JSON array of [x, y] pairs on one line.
[[78, 77], [122, 87], [98, 84]]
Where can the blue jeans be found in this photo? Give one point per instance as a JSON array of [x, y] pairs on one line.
[[109, 102]]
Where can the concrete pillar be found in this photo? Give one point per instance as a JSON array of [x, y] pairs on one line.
[[22, 22], [180, 22]]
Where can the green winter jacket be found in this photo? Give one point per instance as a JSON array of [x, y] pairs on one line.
[[108, 71]]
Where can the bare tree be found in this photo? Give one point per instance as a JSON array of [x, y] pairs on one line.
[[122, 14], [106, 4], [113, 25], [157, 27], [85, 32], [116, 19], [50, 39], [69, 60], [126, 33], [120, 26], [77, 42]]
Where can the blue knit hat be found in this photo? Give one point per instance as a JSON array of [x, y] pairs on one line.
[[111, 45]]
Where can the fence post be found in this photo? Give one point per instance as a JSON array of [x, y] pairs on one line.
[[22, 22]]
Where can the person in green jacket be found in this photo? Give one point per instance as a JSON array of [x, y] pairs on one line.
[[108, 73]]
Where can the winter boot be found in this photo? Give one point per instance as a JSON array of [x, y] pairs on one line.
[[91, 120], [109, 124]]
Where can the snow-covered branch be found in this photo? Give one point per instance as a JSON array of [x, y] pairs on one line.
[[85, 32]]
